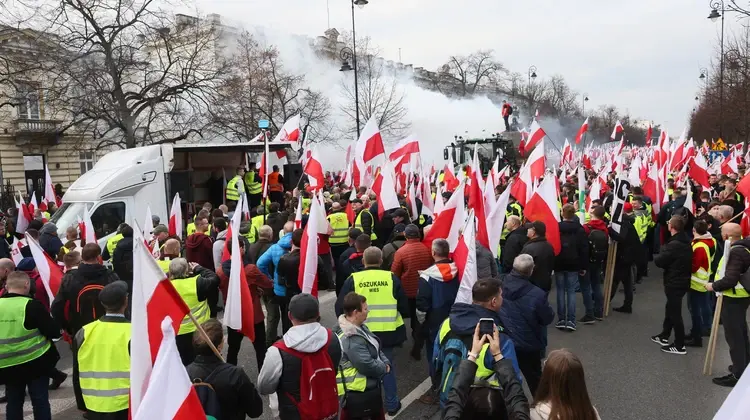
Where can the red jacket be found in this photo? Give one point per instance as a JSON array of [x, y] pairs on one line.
[[255, 280], [506, 110], [596, 224], [700, 259]]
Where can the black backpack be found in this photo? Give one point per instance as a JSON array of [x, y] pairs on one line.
[[207, 396], [598, 245], [510, 110]]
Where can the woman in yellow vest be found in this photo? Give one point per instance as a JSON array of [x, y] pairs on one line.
[[363, 363], [103, 355]]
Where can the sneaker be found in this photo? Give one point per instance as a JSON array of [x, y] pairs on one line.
[[694, 343], [570, 326], [587, 320], [560, 325], [728, 380], [394, 412], [623, 309], [659, 340], [599, 317], [61, 377], [672, 348]]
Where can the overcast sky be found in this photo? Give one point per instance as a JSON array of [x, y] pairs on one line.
[[642, 56]]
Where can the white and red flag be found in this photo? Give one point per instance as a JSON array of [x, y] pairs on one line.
[[49, 271], [87, 233], [314, 171], [448, 223], [699, 171], [298, 213], [33, 204], [170, 393], [308, 269], [536, 134], [148, 226], [238, 311], [542, 207], [476, 201], [465, 257], [154, 298], [370, 143], [175, 217], [405, 147], [291, 132], [496, 220], [385, 189], [617, 130], [567, 155], [581, 131], [49, 191], [25, 216]]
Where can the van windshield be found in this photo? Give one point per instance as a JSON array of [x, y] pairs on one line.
[[68, 215]]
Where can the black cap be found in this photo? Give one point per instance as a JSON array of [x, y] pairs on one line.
[[539, 227], [304, 308], [399, 229], [411, 231], [354, 233], [113, 295], [400, 213]]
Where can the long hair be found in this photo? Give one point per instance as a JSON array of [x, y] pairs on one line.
[[563, 387]]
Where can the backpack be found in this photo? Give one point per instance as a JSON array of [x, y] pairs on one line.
[[88, 306], [453, 349], [598, 245], [208, 397], [510, 110], [319, 398]]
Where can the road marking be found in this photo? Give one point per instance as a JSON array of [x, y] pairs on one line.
[[413, 396]]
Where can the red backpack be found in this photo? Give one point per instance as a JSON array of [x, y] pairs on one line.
[[319, 399]]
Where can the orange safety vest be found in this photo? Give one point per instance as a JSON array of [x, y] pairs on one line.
[[273, 182]]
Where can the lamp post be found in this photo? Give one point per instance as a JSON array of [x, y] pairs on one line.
[[583, 102], [349, 53], [718, 11], [532, 73]]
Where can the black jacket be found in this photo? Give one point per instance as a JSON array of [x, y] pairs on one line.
[[207, 284], [122, 261], [72, 283], [627, 241], [512, 247], [237, 394], [255, 250], [544, 262], [516, 404], [51, 244], [738, 264], [676, 257], [277, 221], [574, 255], [288, 270], [351, 265], [36, 318]]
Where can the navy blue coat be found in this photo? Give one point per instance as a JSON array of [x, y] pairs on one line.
[[525, 312]]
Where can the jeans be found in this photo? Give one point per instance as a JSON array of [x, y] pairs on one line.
[[567, 283], [271, 302], [428, 347], [39, 394], [591, 289], [389, 382], [673, 317], [700, 313]]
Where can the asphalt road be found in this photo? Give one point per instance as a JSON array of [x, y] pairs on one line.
[[628, 377]]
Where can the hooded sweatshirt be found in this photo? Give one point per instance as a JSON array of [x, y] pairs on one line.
[[438, 287], [596, 224], [200, 250], [218, 248]]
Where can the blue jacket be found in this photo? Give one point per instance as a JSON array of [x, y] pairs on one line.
[[525, 312], [464, 318], [438, 287], [270, 260]]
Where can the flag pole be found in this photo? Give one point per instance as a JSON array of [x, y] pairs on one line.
[[609, 273], [265, 175], [708, 364], [203, 334]]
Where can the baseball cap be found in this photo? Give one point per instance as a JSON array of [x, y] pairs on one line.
[[400, 213], [399, 229], [354, 233], [113, 294], [304, 308], [411, 231], [539, 227], [160, 229]]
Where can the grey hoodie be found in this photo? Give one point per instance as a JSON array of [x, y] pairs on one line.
[[363, 349], [218, 248], [306, 338]]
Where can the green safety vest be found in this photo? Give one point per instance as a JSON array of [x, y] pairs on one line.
[[483, 377], [164, 265], [188, 290], [232, 192], [699, 279], [190, 228], [17, 344], [252, 234], [340, 225], [104, 366], [253, 186], [377, 287], [257, 221], [641, 224], [737, 291], [348, 374], [112, 243], [306, 202], [358, 224]]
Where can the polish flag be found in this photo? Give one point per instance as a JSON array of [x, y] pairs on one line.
[[689, 203], [449, 221], [535, 137], [238, 311], [522, 143], [449, 179], [370, 144], [581, 131], [308, 268], [148, 226], [49, 271], [349, 210], [567, 155], [649, 134], [465, 257], [677, 156], [542, 207], [24, 216], [154, 298], [634, 175], [175, 217], [385, 189], [33, 204], [15, 250], [298, 214], [290, 131], [169, 393], [476, 202], [314, 171], [537, 163], [87, 234], [595, 193], [405, 147], [428, 204], [729, 165], [618, 129], [743, 187], [652, 188], [49, 191], [496, 220], [699, 171], [411, 198], [439, 203]]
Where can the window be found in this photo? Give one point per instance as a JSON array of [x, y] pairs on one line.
[[87, 159], [28, 101], [107, 218]]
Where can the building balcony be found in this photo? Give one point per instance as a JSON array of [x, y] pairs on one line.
[[35, 131]]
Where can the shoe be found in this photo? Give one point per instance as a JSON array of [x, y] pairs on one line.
[[672, 348], [587, 320], [623, 309], [429, 398], [560, 325], [394, 412], [85, 414], [416, 353], [694, 343], [570, 326], [58, 381], [599, 317], [659, 340], [728, 380]]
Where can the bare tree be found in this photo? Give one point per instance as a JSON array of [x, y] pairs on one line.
[[468, 75], [17, 65], [380, 94]]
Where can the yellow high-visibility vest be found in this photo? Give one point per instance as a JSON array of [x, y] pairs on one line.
[[699, 279], [232, 192], [112, 243], [104, 366], [484, 376], [358, 224], [340, 225], [17, 344], [377, 287], [252, 183], [348, 375], [188, 290], [737, 292]]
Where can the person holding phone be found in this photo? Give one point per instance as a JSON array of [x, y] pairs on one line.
[[467, 402]]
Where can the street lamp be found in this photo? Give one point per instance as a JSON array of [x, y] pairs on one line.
[[532, 73], [585, 99], [718, 11], [347, 54], [704, 74]]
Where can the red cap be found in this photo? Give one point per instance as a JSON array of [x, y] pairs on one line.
[[628, 208]]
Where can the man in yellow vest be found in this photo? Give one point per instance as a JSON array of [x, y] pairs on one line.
[[253, 186], [364, 220], [736, 301], [103, 357], [339, 239], [27, 355], [388, 306], [704, 248], [109, 249], [199, 288], [235, 187]]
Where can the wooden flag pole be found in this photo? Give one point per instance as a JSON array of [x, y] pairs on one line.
[[203, 334], [609, 272], [708, 364]]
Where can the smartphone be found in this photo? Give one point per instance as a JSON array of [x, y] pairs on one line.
[[486, 326]]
